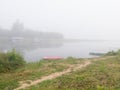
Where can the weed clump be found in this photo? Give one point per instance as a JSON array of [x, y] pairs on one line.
[[10, 61]]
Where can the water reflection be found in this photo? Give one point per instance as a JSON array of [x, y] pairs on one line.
[[26, 39], [21, 45]]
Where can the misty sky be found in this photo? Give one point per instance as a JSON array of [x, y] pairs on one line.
[[83, 19]]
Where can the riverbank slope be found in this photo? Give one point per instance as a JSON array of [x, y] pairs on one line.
[[99, 73]]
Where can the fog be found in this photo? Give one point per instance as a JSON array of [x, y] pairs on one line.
[[83, 19]]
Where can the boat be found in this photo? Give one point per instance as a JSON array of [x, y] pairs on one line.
[[52, 58], [97, 54]]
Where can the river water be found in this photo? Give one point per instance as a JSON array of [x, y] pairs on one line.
[[79, 49]]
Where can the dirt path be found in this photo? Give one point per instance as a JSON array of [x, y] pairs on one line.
[[54, 75]]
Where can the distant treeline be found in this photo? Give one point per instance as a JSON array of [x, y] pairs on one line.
[[29, 34], [18, 30], [19, 36]]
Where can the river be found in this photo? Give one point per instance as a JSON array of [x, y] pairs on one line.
[[79, 49]]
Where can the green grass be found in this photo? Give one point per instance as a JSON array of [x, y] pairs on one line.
[[100, 75], [11, 61], [33, 71]]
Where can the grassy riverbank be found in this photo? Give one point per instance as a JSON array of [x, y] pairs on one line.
[[33, 71], [102, 74]]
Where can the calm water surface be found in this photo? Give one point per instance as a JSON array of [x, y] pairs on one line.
[[77, 49]]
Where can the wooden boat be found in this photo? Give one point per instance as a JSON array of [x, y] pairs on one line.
[[52, 58], [96, 54]]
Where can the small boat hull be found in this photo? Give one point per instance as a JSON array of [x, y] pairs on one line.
[[96, 54]]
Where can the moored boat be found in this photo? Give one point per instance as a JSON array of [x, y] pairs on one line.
[[96, 54]]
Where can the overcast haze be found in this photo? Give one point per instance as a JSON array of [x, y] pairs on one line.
[[83, 19]]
